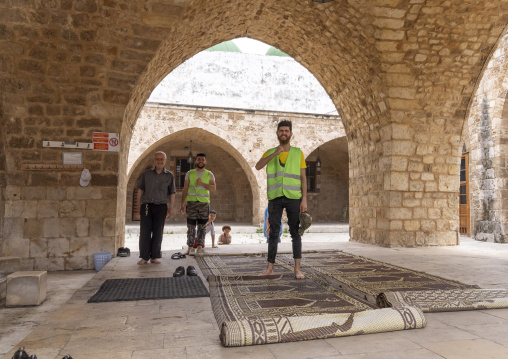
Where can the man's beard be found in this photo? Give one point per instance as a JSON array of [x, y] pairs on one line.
[[200, 165], [284, 142]]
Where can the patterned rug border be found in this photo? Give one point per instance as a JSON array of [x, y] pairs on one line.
[[446, 300], [292, 329]]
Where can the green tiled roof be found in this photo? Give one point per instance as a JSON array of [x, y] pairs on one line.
[[273, 51], [226, 46]]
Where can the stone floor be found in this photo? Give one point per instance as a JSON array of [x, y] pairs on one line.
[[186, 328]]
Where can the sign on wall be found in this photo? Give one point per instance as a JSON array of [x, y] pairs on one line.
[[103, 141]]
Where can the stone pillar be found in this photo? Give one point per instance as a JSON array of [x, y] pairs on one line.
[[487, 146], [404, 188]]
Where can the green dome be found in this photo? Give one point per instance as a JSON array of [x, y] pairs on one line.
[[226, 46], [273, 51]]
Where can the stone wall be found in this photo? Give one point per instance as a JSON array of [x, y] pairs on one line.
[[234, 140], [401, 75], [233, 198]]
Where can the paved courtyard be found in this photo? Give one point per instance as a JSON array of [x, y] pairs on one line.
[[186, 328]]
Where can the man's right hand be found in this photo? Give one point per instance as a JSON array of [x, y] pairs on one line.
[[278, 150]]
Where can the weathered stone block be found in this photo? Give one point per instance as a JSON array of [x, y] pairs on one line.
[[68, 227], [10, 264], [82, 227], [47, 209], [400, 213], [51, 227], [109, 226], [100, 208], [38, 248], [26, 288], [72, 209], [58, 247], [95, 227], [33, 193], [398, 181], [32, 228]]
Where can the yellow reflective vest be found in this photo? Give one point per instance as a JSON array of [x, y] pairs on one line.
[[196, 193], [284, 181]]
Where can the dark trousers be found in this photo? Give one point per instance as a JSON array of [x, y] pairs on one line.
[[151, 227], [275, 208]]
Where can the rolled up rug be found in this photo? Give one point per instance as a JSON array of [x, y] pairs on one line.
[[446, 300], [290, 329]]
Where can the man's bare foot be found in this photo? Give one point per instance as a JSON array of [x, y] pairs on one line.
[[155, 261], [215, 247], [141, 262], [299, 275], [186, 253], [266, 272]]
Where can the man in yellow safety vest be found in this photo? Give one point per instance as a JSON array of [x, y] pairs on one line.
[[198, 184], [286, 188]]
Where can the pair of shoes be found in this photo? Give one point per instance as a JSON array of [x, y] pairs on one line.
[[22, 354], [180, 271], [191, 271], [177, 255], [123, 252]]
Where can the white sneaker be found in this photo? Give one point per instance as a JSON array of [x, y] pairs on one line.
[[192, 251]]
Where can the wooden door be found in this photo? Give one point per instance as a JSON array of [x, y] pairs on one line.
[[464, 195]]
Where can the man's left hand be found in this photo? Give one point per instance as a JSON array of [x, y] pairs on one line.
[[303, 205], [169, 213]]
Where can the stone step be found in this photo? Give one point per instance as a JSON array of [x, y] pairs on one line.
[[179, 228]]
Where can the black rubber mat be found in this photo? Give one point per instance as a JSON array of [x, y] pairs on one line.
[[115, 290]]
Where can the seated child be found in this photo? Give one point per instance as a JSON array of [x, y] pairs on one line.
[[225, 237]]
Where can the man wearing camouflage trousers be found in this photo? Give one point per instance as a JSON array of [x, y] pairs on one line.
[[198, 184]]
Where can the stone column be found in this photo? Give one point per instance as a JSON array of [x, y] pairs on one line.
[[404, 186]]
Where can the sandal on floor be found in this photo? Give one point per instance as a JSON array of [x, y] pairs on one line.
[[182, 256], [177, 256]]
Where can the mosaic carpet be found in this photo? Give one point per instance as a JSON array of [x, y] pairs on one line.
[[342, 294], [115, 290], [367, 278]]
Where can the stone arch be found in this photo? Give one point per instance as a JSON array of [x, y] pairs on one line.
[[402, 76], [486, 137], [226, 164], [356, 89], [327, 204], [2, 174]]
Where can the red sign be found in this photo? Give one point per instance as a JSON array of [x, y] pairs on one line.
[[103, 141]]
